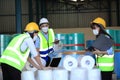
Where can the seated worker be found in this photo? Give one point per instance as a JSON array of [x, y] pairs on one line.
[[46, 40]]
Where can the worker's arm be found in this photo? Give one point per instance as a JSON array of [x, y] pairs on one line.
[[99, 52], [37, 45], [34, 52], [109, 51], [38, 60], [33, 63]]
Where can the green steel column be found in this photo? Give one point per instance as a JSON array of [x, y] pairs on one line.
[[18, 16], [43, 8], [117, 12], [30, 11]]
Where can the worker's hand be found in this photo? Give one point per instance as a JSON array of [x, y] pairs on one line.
[[43, 68], [46, 68], [97, 52], [56, 41], [57, 47], [90, 49]]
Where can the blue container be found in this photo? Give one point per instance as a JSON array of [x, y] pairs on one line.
[[112, 33], [118, 38], [77, 40], [4, 41], [14, 35], [63, 37], [117, 64]]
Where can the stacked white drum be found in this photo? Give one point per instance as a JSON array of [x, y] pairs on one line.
[[78, 74], [27, 75], [94, 74], [81, 67], [69, 63], [54, 74], [85, 61], [60, 74], [44, 75]]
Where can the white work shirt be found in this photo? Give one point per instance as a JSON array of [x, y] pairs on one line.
[[28, 43]]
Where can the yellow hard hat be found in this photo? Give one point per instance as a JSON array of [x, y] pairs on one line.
[[100, 21], [32, 26]]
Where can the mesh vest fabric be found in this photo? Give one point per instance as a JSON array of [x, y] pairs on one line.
[[46, 45], [12, 54], [106, 62]]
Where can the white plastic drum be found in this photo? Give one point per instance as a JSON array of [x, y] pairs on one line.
[[78, 74], [60, 74], [69, 62], [86, 61], [44, 75], [94, 74], [30, 67], [27, 75]]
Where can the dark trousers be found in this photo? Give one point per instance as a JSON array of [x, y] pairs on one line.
[[10, 73], [106, 75]]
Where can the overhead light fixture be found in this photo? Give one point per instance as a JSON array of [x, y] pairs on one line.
[[74, 0], [81, 0]]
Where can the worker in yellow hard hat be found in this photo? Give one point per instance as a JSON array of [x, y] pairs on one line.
[[16, 54], [105, 57]]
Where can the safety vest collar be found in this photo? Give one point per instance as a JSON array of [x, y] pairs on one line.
[[44, 45]]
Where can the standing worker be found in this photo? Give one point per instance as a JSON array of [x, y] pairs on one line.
[[46, 40], [105, 59], [14, 57]]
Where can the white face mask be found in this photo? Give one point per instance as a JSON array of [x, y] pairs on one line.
[[34, 38], [95, 32], [45, 29]]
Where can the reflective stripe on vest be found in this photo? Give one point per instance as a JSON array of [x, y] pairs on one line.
[[12, 54], [106, 62], [44, 50]]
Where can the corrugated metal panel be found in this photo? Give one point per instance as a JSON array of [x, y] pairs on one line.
[[25, 20], [7, 16], [86, 18], [114, 16], [24, 6], [58, 19], [76, 20], [7, 7], [63, 20], [7, 24]]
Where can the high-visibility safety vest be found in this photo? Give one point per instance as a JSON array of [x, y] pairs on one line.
[[46, 46], [105, 62], [13, 56]]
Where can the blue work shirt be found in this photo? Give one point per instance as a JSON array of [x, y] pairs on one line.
[[37, 42]]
